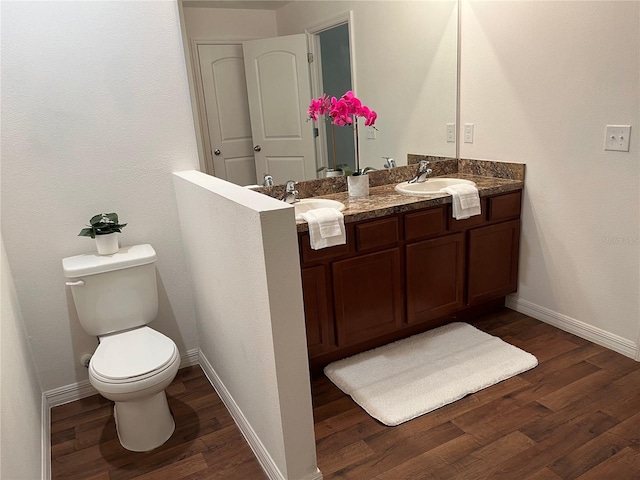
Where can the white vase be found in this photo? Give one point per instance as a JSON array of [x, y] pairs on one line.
[[358, 185], [107, 244]]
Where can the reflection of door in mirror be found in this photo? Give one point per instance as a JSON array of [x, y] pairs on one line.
[[227, 113], [255, 100], [335, 66], [279, 92]]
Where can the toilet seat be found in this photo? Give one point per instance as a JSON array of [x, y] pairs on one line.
[[132, 356]]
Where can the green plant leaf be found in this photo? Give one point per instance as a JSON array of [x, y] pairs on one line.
[[112, 216], [86, 232]]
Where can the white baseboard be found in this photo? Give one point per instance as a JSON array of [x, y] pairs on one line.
[[76, 391], [69, 393], [190, 358], [596, 335], [259, 450]]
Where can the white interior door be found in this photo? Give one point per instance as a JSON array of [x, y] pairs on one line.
[[227, 111], [279, 90]]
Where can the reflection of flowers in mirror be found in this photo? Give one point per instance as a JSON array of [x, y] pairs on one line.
[[341, 111]]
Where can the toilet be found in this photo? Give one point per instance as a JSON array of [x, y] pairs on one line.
[[116, 296]]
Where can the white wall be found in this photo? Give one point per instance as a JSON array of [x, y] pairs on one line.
[[229, 24], [405, 64], [540, 80], [243, 261], [95, 117], [20, 395]]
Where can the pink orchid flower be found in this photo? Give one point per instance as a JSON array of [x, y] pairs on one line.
[[341, 111]]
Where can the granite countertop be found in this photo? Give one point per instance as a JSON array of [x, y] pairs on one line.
[[384, 200], [490, 177]]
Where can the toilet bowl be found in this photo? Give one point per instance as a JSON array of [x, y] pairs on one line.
[[132, 369], [116, 296]]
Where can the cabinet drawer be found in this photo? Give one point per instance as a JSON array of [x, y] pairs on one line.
[[309, 255], [504, 207], [475, 221], [426, 223], [376, 234]]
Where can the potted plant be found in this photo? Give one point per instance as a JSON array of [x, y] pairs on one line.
[[342, 112], [103, 228]]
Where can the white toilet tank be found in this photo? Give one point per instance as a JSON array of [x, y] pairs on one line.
[[114, 292]]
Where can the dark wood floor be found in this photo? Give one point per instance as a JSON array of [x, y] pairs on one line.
[[576, 415]]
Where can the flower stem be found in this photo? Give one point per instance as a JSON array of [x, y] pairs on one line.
[[355, 121], [333, 146]]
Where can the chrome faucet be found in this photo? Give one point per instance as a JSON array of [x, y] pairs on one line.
[[290, 192], [423, 171], [389, 163], [268, 180]]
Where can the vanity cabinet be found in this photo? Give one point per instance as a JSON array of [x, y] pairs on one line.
[[405, 273]]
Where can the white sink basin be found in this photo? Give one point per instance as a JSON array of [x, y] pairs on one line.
[[306, 204], [433, 185]]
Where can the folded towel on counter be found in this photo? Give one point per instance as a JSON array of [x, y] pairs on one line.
[[465, 202], [326, 227]]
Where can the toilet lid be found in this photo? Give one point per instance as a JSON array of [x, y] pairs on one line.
[[132, 353]]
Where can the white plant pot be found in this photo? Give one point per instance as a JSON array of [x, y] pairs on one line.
[[358, 185], [107, 244], [330, 172]]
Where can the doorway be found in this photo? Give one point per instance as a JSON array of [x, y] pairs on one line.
[[334, 64]]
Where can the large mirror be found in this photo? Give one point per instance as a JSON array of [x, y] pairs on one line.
[[402, 62]]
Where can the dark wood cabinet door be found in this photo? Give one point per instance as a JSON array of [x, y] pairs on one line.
[[435, 277], [316, 307], [367, 294], [493, 261]]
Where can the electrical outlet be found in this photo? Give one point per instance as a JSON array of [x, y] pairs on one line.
[[617, 138], [451, 132], [468, 133]]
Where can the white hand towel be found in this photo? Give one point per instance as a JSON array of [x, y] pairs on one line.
[[465, 202], [326, 227]]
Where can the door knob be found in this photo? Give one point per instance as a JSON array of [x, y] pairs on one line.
[[216, 151], [257, 148]]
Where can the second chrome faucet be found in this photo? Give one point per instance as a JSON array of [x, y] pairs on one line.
[[423, 171], [290, 192]]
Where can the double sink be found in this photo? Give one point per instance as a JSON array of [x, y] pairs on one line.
[[429, 187]]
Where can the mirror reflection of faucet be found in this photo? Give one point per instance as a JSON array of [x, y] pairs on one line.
[[290, 192], [423, 171], [389, 162]]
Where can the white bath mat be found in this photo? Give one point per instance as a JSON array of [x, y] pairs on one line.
[[408, 378]]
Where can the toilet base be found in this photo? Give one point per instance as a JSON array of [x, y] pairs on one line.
[[144, 424]]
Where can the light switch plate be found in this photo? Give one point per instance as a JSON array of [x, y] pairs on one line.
[[617, 138]]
